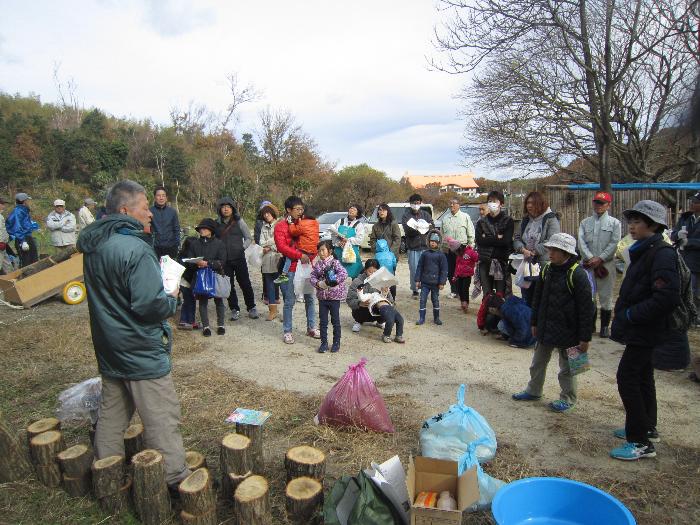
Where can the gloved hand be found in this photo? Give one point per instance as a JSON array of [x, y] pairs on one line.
[[682, 234], [24, 246]]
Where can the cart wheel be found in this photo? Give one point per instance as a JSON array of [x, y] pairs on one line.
[[74, 293]]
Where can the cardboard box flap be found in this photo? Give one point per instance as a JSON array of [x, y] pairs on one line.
[[467, 489], [411, 479]]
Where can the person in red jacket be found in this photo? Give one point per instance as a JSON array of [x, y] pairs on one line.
[[466, 260], [305, 233], [287, 246]]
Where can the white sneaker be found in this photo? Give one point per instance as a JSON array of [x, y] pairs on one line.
[[300, 298], [356, 327], [453, 295], [379, 325]]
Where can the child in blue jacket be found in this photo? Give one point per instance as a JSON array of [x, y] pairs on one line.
[[515, 322], [431, 276], [386, 259]]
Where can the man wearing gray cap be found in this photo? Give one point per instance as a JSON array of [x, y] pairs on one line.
[[20, 227], [85, 215], [61, 224], [686, 235]]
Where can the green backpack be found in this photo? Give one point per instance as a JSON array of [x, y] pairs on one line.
[[358, 501]]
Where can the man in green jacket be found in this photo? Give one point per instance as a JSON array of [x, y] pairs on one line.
[[132, 339]]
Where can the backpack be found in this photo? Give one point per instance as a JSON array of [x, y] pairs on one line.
[[683, 315], [569, 275]]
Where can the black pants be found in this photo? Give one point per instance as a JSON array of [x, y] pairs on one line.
[[29, 257], [463, 284], [362, 315], [488, 283], [204, 314], [451, 263], [171, 251], [635, 383], [324, 308], [391, 316], [238, 269]]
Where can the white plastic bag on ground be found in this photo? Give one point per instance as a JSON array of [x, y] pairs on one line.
[[302, 285], [253, 256], [80, 402]]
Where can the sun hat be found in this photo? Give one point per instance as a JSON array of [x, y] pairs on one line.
[[653, 210], [59, 202], [562, 241]]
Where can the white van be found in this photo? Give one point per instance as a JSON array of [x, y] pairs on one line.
[[397, 210]]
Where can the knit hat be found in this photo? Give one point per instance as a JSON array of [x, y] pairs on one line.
[[562, 241], [651, 209], [209, 224]]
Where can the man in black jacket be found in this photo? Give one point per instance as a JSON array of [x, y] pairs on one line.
[[562, 317], [165, 225], [686, 235], [416, 242]]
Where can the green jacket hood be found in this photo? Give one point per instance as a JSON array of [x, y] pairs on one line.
[[92, 236]]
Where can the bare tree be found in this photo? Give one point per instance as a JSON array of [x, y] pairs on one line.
[[555, 80], [70, 111], [239, 95], [195, 119]]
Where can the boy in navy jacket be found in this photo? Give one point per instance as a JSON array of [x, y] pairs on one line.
[[431, 276]]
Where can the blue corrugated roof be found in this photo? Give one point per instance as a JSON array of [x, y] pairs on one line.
[[694, 186]]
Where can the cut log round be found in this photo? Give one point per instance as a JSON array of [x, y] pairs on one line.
[[194, 460], [253, 502], [151, 497], [78, 487], [119, 502], [44, 447], [107, 476], [13, 461], [133, 441], [255, 434], [305, 461], [235, 459], [49, 475], [41, 426], [75, 461], [233, 481], [304, 499], [196, 493], [202, 519]]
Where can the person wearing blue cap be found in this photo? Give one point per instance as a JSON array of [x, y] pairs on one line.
[[20, 227]]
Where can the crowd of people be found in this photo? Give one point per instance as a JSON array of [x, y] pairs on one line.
[[560, 279]]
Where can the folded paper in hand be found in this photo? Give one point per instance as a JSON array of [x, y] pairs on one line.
[[171, 271], [382, 278], [421, 225]]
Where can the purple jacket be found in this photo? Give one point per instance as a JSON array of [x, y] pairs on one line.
[[318, 275]]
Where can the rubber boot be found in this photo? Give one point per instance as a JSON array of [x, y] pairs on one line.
[[436, 316], [421, 316], [604, 322], [272, 314]]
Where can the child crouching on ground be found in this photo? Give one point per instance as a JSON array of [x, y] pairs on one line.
[[328, 277], [562, 317], [431, 276], [515, 323], [467, 258]]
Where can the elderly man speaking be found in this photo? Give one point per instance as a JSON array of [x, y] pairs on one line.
[[132, 339]]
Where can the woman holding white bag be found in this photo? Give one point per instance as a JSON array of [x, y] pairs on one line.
[[349, 231]]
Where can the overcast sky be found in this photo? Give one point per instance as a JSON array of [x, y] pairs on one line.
[[354, 74]]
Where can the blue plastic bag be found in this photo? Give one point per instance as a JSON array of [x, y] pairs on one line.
[[448, 435], [488, 486], [205, 283]]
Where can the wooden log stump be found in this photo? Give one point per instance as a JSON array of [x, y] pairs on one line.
[[194, 460], [13, 462], [235, 480], [305, 461], [41, 426], [133, 441], [203, 519], [235, 458], [253, 502], [118, 502], [75, 461], [151, 497], [304, 499], [197, 497], [255, 434], [44, 447], [49, 475], [78, 487], [108, 476]]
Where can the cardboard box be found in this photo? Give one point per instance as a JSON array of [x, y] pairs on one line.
[[436, 475]]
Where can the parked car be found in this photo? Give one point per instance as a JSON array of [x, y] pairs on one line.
[[327, 220], [470, 209], [397, 210]]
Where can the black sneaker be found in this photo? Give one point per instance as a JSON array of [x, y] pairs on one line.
[[323, 348], [220, 331], [335, 347], [415, 295], [206, 331]]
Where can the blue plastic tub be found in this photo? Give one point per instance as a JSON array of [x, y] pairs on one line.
[[557, 501]]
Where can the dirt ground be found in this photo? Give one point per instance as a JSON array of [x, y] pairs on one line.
[[426, 372]]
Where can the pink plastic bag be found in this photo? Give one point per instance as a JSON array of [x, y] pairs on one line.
[[354, 401]]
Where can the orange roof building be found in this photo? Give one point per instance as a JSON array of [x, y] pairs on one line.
[[463, 184]]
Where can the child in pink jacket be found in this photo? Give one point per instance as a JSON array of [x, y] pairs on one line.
[[328, 277], [467, 258]]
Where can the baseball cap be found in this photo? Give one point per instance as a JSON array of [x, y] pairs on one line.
[[59, 202], [88, 202], [21, 197], [602, 196]]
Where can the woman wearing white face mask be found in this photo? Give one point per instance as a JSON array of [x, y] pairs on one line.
[[494, 242]]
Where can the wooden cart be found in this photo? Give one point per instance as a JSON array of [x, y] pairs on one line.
[[43, 279]]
